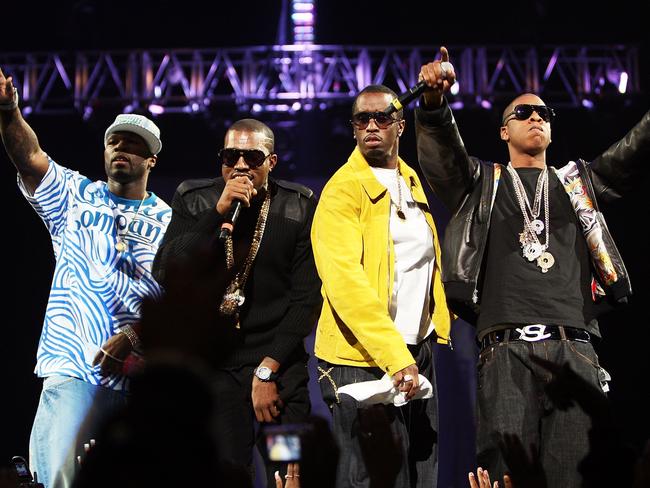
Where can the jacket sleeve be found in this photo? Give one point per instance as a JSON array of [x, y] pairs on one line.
[[338, 249], [304, 298], [184, 232], [442, 156], [617, 170]]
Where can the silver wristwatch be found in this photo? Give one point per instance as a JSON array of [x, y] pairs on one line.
[[264, 373]]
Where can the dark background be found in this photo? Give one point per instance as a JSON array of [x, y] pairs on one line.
[[319, 143]]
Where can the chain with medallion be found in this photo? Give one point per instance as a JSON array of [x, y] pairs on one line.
[[532, 247]]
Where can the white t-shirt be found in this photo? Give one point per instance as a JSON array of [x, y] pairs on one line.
[[414, 261], [95, 289]]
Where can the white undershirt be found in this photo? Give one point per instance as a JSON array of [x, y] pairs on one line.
[[414, 261]]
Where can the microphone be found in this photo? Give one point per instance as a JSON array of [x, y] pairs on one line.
[[406, 98], [415, 91], [229, 220], [233, 214]]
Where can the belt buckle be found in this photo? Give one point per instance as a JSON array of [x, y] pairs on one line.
[[532, 333]]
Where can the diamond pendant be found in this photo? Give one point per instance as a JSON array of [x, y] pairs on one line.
[[537, 225], [120, 246], [545, 261], [532, 250], [231, 302]]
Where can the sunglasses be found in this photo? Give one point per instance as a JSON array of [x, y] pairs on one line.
[[524, 111], [254, 158], [362, 119]]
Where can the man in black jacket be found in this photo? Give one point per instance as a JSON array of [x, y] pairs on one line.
[[274, 295], [526, 256]]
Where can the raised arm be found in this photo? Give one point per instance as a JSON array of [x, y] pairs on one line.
[[622, 166], [441, 153], [19, 139]]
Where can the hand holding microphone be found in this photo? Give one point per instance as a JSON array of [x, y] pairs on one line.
[[438, 77], [238, 192]]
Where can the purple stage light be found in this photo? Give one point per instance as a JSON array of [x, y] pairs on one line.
[[156, 109], [622, 83]]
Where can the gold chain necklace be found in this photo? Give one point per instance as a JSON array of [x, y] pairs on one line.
[[234, 297], [120, 245], [398, 205]]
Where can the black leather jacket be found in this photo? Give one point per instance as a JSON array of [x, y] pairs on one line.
[[283, 288], [465, 185]]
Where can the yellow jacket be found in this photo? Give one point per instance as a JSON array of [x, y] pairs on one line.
[[355, 260]]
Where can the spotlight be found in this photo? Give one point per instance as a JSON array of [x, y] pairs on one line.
[[156, 109]]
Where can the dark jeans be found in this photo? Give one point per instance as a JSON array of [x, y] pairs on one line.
[[415, 424], [512, 399], [235, 419]]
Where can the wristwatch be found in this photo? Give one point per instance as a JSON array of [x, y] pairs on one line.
[[264, 373]]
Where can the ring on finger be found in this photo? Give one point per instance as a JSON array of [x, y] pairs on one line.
[[445, 67]]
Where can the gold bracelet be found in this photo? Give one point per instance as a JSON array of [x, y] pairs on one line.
[[111, 356]]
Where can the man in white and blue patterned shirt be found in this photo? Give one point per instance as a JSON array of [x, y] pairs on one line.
[[105, 236]]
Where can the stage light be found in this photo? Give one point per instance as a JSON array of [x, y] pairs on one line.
[[303, 18], [622, 83], [156, 109]]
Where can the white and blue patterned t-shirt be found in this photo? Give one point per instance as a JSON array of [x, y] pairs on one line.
[[95, 289]]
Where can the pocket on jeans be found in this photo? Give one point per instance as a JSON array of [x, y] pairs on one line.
[[584, 352], [56, 381], [486, 359]]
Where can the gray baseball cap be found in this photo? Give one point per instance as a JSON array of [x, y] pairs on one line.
[[138, 124]]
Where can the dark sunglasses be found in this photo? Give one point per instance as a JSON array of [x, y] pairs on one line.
[[524, 111], [362, 119], [254, 158]]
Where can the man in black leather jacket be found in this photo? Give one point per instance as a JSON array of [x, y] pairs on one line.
[[274, 296], [526, 255]]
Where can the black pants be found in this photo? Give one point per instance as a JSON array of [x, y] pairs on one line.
[[415, 424], [235, 424], [512, 399]]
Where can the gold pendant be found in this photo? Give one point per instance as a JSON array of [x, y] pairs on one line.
[[231, 302], [545, 261], [120, 246]]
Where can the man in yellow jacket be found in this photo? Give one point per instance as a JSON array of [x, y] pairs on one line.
[[377, 253]]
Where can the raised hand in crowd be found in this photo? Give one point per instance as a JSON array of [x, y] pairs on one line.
[[482, 480], [292, 477]]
